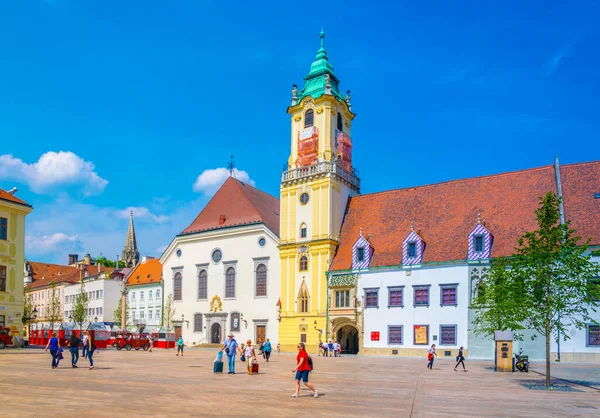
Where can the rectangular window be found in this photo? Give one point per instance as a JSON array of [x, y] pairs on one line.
[[133, 315], [593, 337], [396, 297], [478, 244], [360, 254], [594, 289], [421, 296], [395, 334], [342, 299], [149, 313], [3, 228], [412, 249], [101, 293], [141, 295], [448, 295], [141, 314], [100, 310], [158, 314], [2, 321], [132, 295], [157, 293], [149, 294], [371, 298], [303, 232], [447, 334]]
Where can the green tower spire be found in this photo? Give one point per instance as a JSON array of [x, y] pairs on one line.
[[321, 78]]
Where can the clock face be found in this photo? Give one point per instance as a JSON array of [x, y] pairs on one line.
[[216, 256], [304, 198]]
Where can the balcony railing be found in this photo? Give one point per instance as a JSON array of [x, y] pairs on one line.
[[321, 167]]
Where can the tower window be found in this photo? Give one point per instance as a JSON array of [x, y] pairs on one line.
[[309, 118], [478, 243], [303, 263], [303, 231], [360, 254], [339, 122], [303, 299], [412, 249], [304, 198]]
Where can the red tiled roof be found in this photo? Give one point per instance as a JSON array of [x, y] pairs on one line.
[[239, 204], [444, 214], [12, 198], [146, 273], [44, 274]]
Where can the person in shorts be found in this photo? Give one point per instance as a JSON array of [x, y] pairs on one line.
[[302, 370]]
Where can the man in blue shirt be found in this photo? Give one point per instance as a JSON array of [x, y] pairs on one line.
[[231, 348]]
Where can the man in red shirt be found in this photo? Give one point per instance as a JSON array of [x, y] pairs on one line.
[[302, 370]]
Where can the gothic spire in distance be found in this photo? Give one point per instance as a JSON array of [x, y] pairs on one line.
[[131, 255]]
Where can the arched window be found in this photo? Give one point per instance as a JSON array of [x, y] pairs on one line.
[[303, 231], [177, 286], [339, 122], [235, 321], [230, 283], [197, 322], [261, 280], [202, 285], [303, 299], [303, 263], [309, 118]]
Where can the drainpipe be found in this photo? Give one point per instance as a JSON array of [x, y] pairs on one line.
[[327, 308], [561, 209]]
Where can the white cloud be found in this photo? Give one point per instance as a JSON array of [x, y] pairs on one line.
[[51, 170], [141, 212], [210, 180], [56, 242], [160, 250]]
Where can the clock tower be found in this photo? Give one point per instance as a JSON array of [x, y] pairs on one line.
[[316, 184]]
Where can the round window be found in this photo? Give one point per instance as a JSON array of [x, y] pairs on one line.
[[304, 198], [178, 252], [262, 242], [217, 255]]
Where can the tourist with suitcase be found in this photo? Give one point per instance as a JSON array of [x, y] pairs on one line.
[[218, 363], [251, 360], [231, 349]]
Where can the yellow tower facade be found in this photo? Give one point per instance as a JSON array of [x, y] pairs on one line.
[[315, 188]]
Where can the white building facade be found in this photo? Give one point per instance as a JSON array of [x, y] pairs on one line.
[[223, 271], [104, 295]]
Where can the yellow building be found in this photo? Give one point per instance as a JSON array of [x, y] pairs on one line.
[[315, 187], [12, 254]]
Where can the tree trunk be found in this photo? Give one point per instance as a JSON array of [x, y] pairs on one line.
[[548, 336]]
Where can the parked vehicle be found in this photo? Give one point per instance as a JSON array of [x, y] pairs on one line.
[[522, 362], [129, 341], [5, 337]]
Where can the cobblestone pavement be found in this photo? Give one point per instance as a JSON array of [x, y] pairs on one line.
[[585, 374], [161, 384]]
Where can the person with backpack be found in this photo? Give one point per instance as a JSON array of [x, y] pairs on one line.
[[303, 368], [460, 359], [267, 350], [74, 349]]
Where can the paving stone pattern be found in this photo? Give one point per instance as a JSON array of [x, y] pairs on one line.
[[147, 384]]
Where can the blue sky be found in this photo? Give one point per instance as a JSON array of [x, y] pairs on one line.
[[111, 106]]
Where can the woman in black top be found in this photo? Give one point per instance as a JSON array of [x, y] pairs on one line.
[[74, 349], [460, 359]]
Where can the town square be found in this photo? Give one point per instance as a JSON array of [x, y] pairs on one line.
[[220, 210]]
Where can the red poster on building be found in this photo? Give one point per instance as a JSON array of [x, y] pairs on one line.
[[374, 335]]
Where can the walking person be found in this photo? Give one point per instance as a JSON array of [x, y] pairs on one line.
[[74, 342], [231, 348], [180, 346], [460, 359], [330, 349], [320, 348], [151, 342], [84, 341], [431, 354], [267, 350], [278, 348], [250, 355], [54, 345], [336, 349], [302, 370], [91, 348]]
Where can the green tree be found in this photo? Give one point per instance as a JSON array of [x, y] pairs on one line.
[[27, 317], [54, 309], [168, 315], [80, 309], [549, 279], [117, 315], [109, 263]]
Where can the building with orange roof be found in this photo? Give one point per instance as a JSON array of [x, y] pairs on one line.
[[145, 295], [12, 255], [222, 271]]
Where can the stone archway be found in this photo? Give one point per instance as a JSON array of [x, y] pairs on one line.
[[347, 336], [216, 331]]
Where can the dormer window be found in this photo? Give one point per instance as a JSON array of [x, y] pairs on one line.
[[412, 249], [478, 244], [309, 117], [339, 122], [360, 254]]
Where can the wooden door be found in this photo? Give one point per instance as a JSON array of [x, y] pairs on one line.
[[177, 332], [261, 333]]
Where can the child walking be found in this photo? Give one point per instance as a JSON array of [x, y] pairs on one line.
[[460, 360]]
